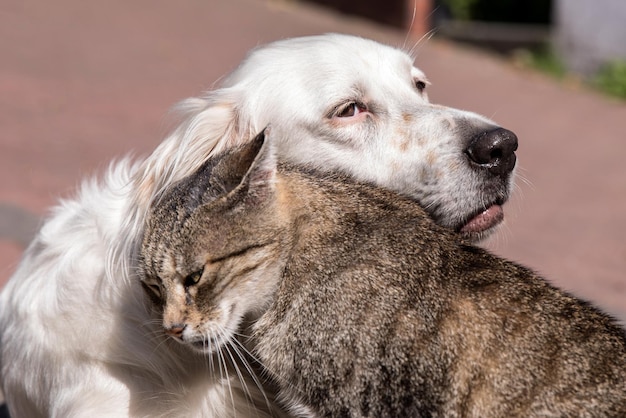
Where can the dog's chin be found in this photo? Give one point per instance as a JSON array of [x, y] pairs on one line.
[[481, 224]]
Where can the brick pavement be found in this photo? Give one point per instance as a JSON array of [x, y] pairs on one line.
[[84, 82]]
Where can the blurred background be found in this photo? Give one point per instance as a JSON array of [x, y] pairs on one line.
[[82, 83], [577, 40]]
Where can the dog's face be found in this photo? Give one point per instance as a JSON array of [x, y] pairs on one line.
[[345, 103]]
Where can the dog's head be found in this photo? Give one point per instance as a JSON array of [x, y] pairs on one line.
[[344, 103]]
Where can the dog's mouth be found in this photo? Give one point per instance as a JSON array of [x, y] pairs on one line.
[[482, 222]]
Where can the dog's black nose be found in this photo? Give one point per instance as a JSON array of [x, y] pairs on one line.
[[494, 150]]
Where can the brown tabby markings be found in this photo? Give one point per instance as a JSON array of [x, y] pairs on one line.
[[362, 306]]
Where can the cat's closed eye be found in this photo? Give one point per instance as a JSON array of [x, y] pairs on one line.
[[153, 289]]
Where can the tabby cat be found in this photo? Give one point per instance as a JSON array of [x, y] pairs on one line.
[[357, 304]]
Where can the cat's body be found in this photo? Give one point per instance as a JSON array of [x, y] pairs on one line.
[[376, 310]]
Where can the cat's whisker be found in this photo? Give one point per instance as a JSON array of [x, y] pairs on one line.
[[265, 372], [242, 380], [154, 331], [264, 369], [243, 348], [223, 371], [158, 338], [238, 347], [211, 364], [244, 355], [242, 335]]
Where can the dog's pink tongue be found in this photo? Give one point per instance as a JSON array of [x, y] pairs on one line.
[[485, 220]]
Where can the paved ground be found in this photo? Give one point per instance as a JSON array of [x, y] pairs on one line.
[[84, 82]]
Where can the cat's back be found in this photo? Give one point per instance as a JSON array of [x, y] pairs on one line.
[[370, 259], [553, 354]]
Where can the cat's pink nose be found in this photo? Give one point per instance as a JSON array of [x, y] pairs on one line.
[[175, 330]]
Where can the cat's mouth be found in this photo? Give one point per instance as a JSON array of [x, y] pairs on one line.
[[208, 345], [204, 345]]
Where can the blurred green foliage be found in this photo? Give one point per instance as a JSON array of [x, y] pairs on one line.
[[611, 78], [460, 9], [544, 59]]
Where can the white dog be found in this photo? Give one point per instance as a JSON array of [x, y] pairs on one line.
[[77, 338]]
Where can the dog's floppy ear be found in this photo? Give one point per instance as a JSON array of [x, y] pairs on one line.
[[209, 125]]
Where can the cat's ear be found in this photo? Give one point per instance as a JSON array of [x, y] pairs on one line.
[[257, 163]]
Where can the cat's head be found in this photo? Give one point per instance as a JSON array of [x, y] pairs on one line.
[[211, 251]]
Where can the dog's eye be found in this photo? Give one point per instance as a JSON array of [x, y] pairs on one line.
[[420, 85], [351, 110]]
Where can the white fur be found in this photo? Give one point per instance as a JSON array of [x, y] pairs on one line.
[[76, 337]]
